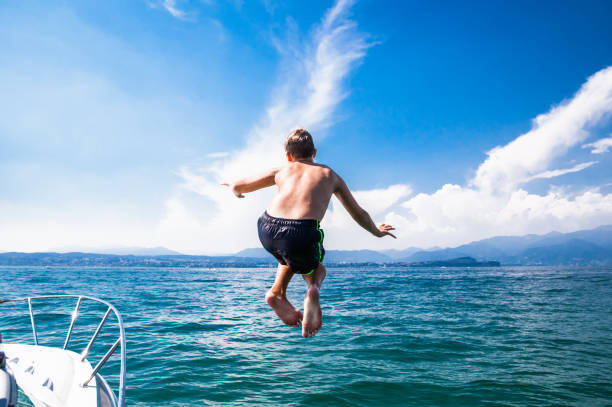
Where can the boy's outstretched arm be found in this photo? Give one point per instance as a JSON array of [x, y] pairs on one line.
[[347, 199], [250, 184]]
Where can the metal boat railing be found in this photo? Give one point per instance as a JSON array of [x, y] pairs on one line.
[[120, 340]]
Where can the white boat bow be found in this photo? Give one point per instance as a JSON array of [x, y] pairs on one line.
[[59, 377]]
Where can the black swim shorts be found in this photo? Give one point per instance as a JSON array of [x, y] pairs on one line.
[[297, 243]]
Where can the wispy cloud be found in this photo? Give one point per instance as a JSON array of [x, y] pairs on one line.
[[310, 88], [170, 6], [557, 173], [600, 146]]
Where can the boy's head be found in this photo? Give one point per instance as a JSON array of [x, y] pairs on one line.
[[299, 145]]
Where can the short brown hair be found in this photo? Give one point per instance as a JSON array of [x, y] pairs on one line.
[[299, 144]]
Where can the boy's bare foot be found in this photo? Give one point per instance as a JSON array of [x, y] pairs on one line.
[[312, 313], [283, 308]]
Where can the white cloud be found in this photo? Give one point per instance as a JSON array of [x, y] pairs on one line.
[[342, 232], [552, 135], [454, 214], [600, 146], [377, 202], [170, 6], [495, 203], [557, 173]]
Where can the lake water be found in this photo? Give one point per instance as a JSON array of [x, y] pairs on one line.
[[391, 336]]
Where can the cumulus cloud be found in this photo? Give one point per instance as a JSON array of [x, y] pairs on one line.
[[342, 232], [310, 89], [600, 146], [552, 135], [495, 201], [377, 202], [454, 214]]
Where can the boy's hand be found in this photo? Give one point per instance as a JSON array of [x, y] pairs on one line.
[[384, 230], [233, 188]]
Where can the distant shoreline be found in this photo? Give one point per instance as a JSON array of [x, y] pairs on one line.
[[77, 259]]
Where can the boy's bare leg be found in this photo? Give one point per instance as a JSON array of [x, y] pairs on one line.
[[276, 297], [312, 308]]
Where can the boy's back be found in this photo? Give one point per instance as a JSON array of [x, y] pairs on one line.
[[289, 228], [304, 191]]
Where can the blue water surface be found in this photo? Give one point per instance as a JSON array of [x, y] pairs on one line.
[[510, 336]]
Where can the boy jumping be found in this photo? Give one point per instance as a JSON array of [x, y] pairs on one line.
[[289, 228]]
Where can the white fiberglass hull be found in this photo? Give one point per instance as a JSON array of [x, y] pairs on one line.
[[53, 377]]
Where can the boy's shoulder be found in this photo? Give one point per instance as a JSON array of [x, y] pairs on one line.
[[317, 166], [326, 169], [329, 169], [314, 168]]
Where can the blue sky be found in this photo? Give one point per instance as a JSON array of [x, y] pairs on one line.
[[119, 118]]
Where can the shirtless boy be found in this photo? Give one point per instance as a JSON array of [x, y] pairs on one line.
[[289, 228]]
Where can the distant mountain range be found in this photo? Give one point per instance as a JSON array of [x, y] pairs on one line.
[[592, 246], [585, 247]]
